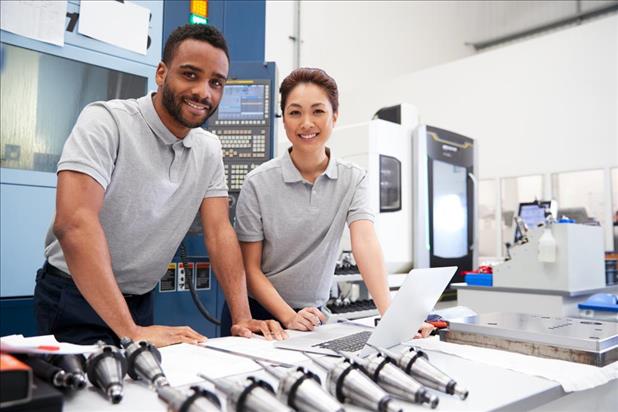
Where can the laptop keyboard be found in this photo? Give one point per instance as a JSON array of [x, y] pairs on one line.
[[349, 343]]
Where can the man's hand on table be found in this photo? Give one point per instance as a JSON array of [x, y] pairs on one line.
[[425, 330], [270, 329], [305, 319], [167, 335]]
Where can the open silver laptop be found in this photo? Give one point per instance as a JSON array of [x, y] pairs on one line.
[[409, 308]]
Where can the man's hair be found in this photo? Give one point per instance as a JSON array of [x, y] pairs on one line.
[[314, 76], [200, 32]]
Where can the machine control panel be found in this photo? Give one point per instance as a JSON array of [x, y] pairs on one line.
[[177, 276], [243, 125]]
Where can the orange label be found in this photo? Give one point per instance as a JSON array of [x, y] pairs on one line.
[[10, 363]]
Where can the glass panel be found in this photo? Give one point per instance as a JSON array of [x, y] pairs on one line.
[[450, 210], [390, 184], [488, 229], [516, 190], [580, 195], [41, 97]]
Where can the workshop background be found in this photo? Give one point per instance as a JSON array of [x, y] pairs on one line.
[[533, 83]]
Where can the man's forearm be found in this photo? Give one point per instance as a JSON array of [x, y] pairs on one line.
[[226, 260], [85, 249]]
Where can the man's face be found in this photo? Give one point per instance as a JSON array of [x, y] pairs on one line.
[[191, 86]]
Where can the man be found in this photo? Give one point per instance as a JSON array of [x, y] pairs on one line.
[[132, 176]]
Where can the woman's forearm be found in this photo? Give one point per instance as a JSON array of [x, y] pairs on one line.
[[370, 261]]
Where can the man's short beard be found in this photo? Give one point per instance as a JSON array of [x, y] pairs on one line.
[[174, 109]]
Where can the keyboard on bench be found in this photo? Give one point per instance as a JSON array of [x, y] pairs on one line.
[[352, 307], [349, 343]]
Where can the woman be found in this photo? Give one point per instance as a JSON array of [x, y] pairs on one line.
[[292, 210]]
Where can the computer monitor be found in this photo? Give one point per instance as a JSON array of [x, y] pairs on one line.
[[533, 214]]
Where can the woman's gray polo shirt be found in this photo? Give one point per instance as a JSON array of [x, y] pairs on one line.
[[300, 224], [154, 185]]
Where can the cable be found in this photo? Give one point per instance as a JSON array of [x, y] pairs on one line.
[[196, 299]]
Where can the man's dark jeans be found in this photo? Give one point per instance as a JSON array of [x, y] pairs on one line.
[[62, 311], [257, 312]]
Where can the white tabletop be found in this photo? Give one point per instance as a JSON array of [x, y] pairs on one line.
[[490, 388]]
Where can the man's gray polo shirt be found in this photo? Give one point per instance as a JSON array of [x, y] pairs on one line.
[[300, 224], [154, 184]]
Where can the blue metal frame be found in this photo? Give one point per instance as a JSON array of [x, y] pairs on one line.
[[242, 22]]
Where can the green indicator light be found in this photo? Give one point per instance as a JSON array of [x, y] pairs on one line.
[[195, 19]]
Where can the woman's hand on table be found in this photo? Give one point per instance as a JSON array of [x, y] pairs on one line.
[[305, 319], [425, 330]]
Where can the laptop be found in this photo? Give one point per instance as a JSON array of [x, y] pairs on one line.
[[416, 297]]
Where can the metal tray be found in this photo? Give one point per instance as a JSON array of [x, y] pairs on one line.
[[588, 341]]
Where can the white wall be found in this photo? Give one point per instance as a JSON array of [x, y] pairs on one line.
[[368, 42], [543, 105], [279, 48], [365, 45], [360, 40]]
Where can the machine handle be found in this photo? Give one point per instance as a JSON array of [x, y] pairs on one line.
[[475, 211]]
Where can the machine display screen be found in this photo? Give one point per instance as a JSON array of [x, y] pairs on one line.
[[532, 215], [450, 210], [242, 102]]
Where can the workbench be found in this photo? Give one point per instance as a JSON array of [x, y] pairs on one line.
[[491, 388]]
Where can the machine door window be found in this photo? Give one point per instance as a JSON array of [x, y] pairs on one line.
[[41, 97], [450, 210], [390, 184]]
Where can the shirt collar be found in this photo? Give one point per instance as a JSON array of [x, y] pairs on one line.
[[292, 175], [151, 116], [331, 169], [290, 172]]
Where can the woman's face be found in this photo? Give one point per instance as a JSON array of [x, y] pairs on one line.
[[308, 117]]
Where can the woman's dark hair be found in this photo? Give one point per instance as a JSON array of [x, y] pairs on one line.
[[201, 32], [310, 75]]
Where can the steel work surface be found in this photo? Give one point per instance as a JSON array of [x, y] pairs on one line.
[[579, 340]]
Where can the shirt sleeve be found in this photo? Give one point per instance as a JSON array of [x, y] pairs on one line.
[[217, 186], [92, 146], [248, 224], [359, 207]]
